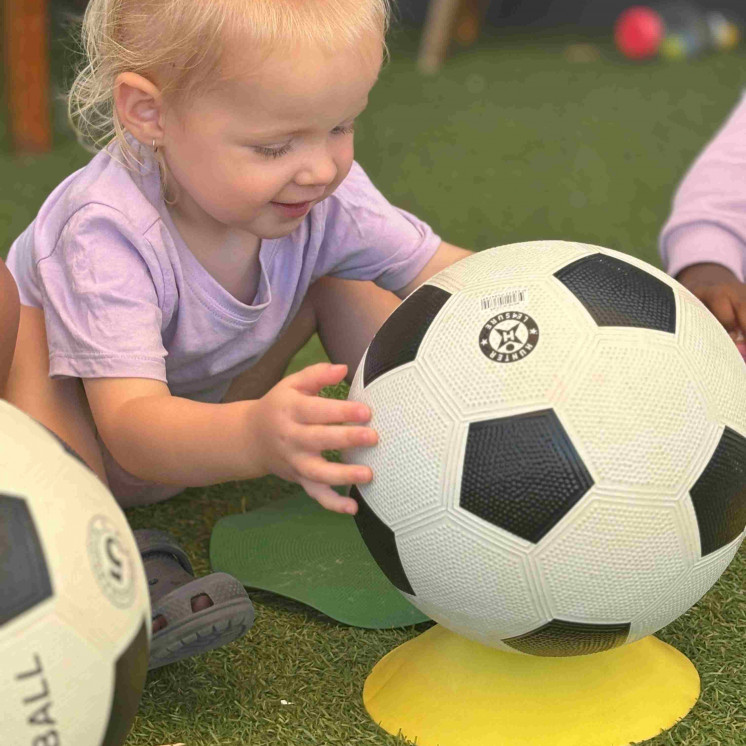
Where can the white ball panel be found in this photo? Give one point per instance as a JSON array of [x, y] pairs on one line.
[[71, 498], [410, 461], [464, 577], [639, 416], [356, 386], [444, 282], [686, 593], [29, 455], [503, 264], [452, 354], [612, 558], [716, 362], [78, 678], [481, 631]]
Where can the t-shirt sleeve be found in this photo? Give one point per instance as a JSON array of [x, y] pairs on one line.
[[100, 301], [708, 219], [368, 238]]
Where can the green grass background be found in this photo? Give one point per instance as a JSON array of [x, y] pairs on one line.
[[511, 142]]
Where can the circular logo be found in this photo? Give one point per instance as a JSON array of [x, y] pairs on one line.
[[111, 562], [508, 337]]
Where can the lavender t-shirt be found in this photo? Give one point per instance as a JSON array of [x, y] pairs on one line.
[[708, 219], [124, 297]]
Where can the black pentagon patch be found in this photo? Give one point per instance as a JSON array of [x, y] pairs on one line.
[[522, 473], [559, 638], [129, 679], [719, 495], [381, 543], [616, 293], [24, 577], [398, 340]]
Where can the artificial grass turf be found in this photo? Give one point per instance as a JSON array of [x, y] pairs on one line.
[[510, 142]]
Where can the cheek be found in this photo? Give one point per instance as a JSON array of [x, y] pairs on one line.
[[260, 182], [344, 157], [347, 150]]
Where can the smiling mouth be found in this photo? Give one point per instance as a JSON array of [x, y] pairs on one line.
[[292, 209]]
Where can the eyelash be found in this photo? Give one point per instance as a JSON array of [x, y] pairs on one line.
[[279, 152]]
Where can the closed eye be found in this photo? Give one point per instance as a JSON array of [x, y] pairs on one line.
[[267, 152], [272, 152]]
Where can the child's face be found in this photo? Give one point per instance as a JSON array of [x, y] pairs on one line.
[[277, 134]]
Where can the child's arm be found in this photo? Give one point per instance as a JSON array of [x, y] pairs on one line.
[[173, 440], [445, 255], [9, 313], [703, 243]]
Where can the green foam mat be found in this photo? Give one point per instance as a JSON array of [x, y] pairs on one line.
[[295, 548]]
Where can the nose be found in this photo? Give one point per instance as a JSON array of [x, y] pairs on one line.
[[318, 169]]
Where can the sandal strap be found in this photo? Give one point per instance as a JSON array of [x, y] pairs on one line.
[[152, 541], [219, 586]]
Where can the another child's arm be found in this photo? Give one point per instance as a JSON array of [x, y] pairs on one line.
[[703, 243], [9, 313], [174, 440]]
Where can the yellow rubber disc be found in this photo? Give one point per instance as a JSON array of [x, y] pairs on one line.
[[441, 689]]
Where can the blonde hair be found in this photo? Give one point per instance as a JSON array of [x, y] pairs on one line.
[[181, 42]]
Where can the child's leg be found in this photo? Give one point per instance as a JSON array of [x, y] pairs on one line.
[[345, 313], [9, 312], [60, 405]]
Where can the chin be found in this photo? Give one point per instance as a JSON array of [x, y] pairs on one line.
[[279, 231]]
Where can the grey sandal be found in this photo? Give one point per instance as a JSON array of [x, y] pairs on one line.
[[172, 588]]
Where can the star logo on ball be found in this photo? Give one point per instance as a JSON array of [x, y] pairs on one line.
[[508, 337]]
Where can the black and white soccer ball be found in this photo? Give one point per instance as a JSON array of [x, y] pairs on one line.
[[74, 607], [561, 466]]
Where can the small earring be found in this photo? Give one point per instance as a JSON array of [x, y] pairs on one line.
[[155, 147]]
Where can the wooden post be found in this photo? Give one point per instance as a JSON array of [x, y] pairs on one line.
[[26, 51], [447, 20], [436, 34]]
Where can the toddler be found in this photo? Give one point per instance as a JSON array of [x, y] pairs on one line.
[[703, 243], [165, 286]]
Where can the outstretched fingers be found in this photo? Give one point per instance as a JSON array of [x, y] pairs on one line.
[[328, 498], [315, 468], [336, 437], [312, 379], [322, 424], [317, 410]]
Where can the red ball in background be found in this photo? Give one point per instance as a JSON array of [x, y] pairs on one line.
[[638, 32]]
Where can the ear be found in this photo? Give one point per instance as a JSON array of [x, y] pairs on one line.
[[139, 106]]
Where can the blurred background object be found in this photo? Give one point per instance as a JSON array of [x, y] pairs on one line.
[[674, 30], [26, 59], [447, 20]]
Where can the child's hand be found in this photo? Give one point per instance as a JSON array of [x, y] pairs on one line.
[[299, 425], [719, 289]]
